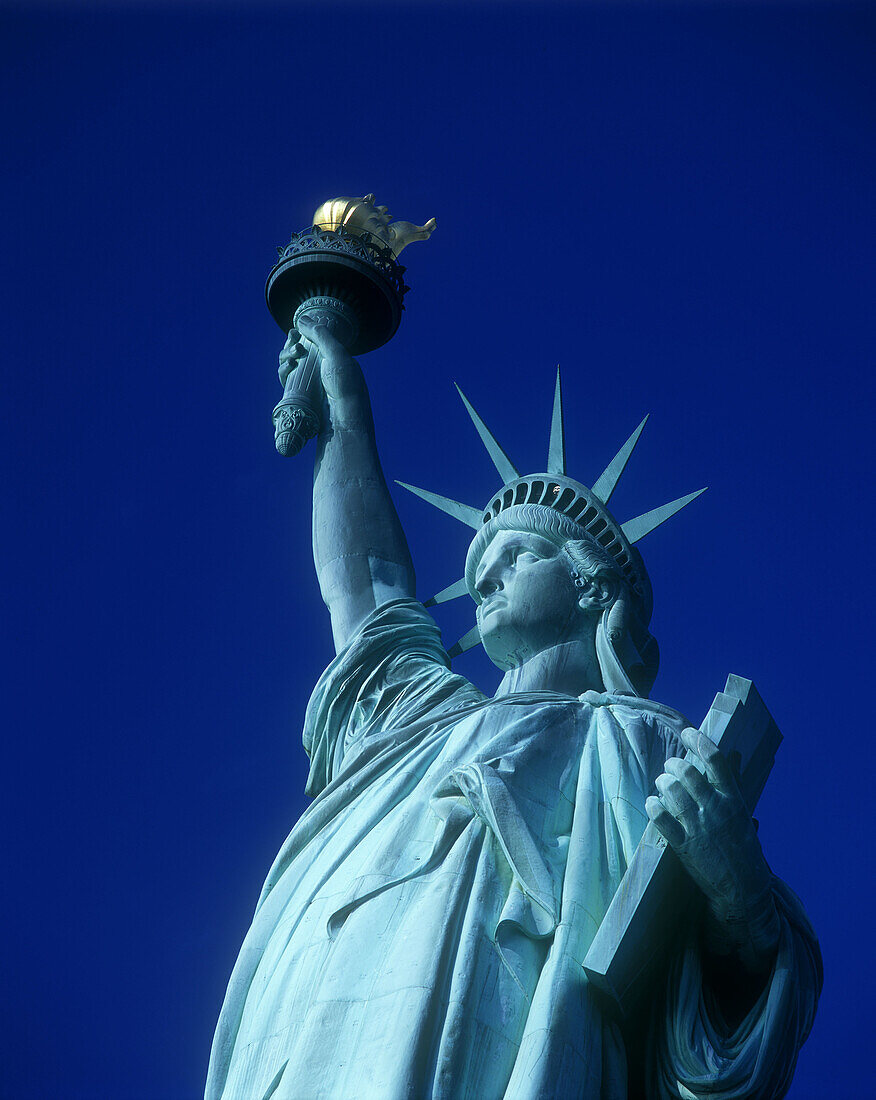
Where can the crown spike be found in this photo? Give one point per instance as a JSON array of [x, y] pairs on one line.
[[466, 642], [451, 592], [556, 463], [607, 481], [507, 470], [463, 512], [637, 528]]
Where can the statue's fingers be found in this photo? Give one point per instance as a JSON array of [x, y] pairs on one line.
[[287, 364], [668, 826], [292, 352], [715, 764], [676, 799], [691, 778]]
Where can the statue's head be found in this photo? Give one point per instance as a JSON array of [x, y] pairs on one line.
[[539, 579], [551, 564]]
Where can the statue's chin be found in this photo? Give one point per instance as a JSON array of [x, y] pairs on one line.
[[503, 655]]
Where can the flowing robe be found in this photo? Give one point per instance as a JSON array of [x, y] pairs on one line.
[[422, 930]]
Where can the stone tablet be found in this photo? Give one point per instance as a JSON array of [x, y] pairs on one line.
[[655, 890]]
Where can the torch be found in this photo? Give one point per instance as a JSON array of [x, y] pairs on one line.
[[344, 272]]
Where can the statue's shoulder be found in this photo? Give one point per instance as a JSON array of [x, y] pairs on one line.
[[632, 735], [628, 708]]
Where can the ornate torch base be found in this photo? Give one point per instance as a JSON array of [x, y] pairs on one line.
[[295, 421]]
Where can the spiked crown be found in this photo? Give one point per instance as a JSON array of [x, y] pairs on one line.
[[586, 508]]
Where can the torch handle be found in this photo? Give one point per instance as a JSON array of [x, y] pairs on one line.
[[298, 416]]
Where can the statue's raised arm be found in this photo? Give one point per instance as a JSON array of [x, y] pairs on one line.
[[359, 548], [337, 289]]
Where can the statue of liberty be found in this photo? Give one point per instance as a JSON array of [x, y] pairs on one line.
[[423, 929]]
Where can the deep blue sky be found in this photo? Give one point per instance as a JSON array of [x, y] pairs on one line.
[[673, 202]]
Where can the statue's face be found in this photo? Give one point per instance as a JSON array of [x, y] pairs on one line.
[[529, 601]]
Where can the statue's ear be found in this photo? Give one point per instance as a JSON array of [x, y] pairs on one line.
[[597, 593]]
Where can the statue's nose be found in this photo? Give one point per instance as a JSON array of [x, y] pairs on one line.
[[489, 580]]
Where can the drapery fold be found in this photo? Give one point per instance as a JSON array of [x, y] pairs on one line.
[[695, 1054]]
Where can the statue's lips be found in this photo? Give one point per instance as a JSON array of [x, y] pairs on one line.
[[493, 604]]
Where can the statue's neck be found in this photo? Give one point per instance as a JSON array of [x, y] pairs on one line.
[[569, 668]]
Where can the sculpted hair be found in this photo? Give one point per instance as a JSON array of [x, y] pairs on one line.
[[589, 559]]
